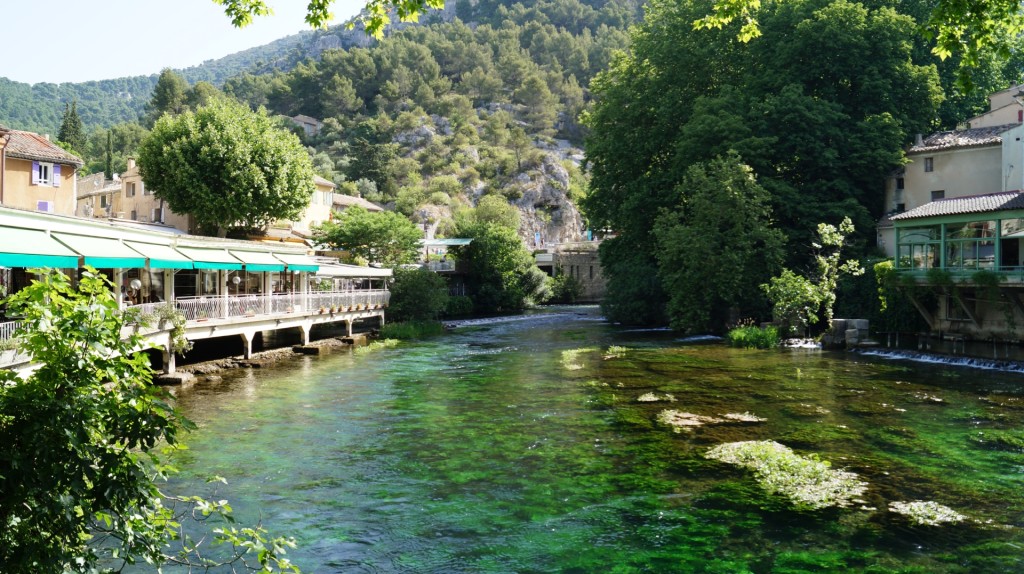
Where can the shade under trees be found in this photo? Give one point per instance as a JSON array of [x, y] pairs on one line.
[[227, 166]]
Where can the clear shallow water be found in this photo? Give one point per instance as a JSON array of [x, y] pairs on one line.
[[486, 450]]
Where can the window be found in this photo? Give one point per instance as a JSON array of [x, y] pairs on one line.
[[103, 201], [899, 183], [129, 191], [135, 216], [901, 207], [45, 173], [938, 194], [157, 215], [929, 164]]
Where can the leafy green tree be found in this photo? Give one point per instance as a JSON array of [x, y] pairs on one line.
[[795, 301], [376, 14], [383, 237], [417, 295], [79, 447], [227, 166], [500, 273], [71, 131], [724, 216], [971, 31], [108, 159], [169, 97], [818, 107]]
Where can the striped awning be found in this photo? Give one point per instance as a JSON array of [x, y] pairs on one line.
[[21, 247], [161, 256], [210, 258], [298, 262], [257, 260], [102, 252]]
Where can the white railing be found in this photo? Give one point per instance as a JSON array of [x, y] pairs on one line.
[[7, 329], [231, 306]]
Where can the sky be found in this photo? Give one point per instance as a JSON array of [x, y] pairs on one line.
[[61, 41]]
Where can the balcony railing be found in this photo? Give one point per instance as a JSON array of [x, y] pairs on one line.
[[232, 306]]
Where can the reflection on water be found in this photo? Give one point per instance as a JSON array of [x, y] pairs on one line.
[[484, 451]]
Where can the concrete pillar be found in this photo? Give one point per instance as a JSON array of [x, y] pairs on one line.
[[168, 357], [169, 285], [247, 337], [382, 319], [222, 288], [119, 286], [305, 327], [348, 327]]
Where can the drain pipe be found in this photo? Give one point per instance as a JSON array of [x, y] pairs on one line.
[[5, 136]]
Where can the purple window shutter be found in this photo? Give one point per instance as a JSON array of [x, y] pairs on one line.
[[56, 175], [35, 173]]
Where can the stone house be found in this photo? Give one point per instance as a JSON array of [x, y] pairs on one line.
[[36, 174]]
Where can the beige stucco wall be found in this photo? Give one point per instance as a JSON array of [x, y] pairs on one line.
[[1013, 159], [19, 191], [318, 211], [1007, 114], [143, 202], [959, 173]]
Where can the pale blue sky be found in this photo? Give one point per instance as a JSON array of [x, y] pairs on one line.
[[79, 40]]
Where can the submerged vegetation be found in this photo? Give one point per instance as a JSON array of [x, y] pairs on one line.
[[411, 330], [377, 345], [810, 484], [927, 513]]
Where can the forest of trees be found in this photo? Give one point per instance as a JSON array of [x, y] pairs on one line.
[[818, 109]]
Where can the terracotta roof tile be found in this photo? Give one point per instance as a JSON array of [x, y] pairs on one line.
[[350, 200], [971, 204], [28, 145], [974, 137]]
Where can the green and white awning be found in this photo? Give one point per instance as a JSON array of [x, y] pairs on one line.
[[211, 258], [20, 247], [298, 262], [161, 256], [102, 252], [257, 261]]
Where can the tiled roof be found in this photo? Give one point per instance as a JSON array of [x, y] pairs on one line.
[[27, 145], [350, 200], [971, 204], [324, 182], [974, 137]]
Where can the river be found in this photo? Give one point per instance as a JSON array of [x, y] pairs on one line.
[[522, 445]]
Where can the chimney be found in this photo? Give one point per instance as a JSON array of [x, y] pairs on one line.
[[918, 139], [131, 162], [47, 136]]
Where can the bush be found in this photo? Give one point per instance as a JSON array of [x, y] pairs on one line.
[[458, 306], [565, 289], [411, 330], [417, 295], [752, 337]]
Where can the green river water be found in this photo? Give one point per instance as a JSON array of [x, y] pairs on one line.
[[489, 449]]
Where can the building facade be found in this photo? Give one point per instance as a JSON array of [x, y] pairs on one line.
[[37, 175]]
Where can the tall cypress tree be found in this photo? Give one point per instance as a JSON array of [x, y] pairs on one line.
[[108, 165], [71, 131]]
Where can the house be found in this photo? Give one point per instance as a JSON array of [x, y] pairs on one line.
[[310, 126], [954, 223], [36, 174], [136, 202], [343, 202], [984, 155], [96, 195], [319, 210]]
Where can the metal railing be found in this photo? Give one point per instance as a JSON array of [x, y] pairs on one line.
[[231, 306], [7, 329]]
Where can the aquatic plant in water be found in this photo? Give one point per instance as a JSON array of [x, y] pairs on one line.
[[379, 344], [570, 357], [927, 513], [810, 484], [615, 352], [654, 397]]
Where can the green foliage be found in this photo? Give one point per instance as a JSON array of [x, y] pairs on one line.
[[377, 345], [722, 216], [169, 97], [753, 337], [458, 306], [227, 166], [411, 330], [383, 237], [500, 272], [795, 301], [71, 130], [80, 439], [417, 295], [565, 288]]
